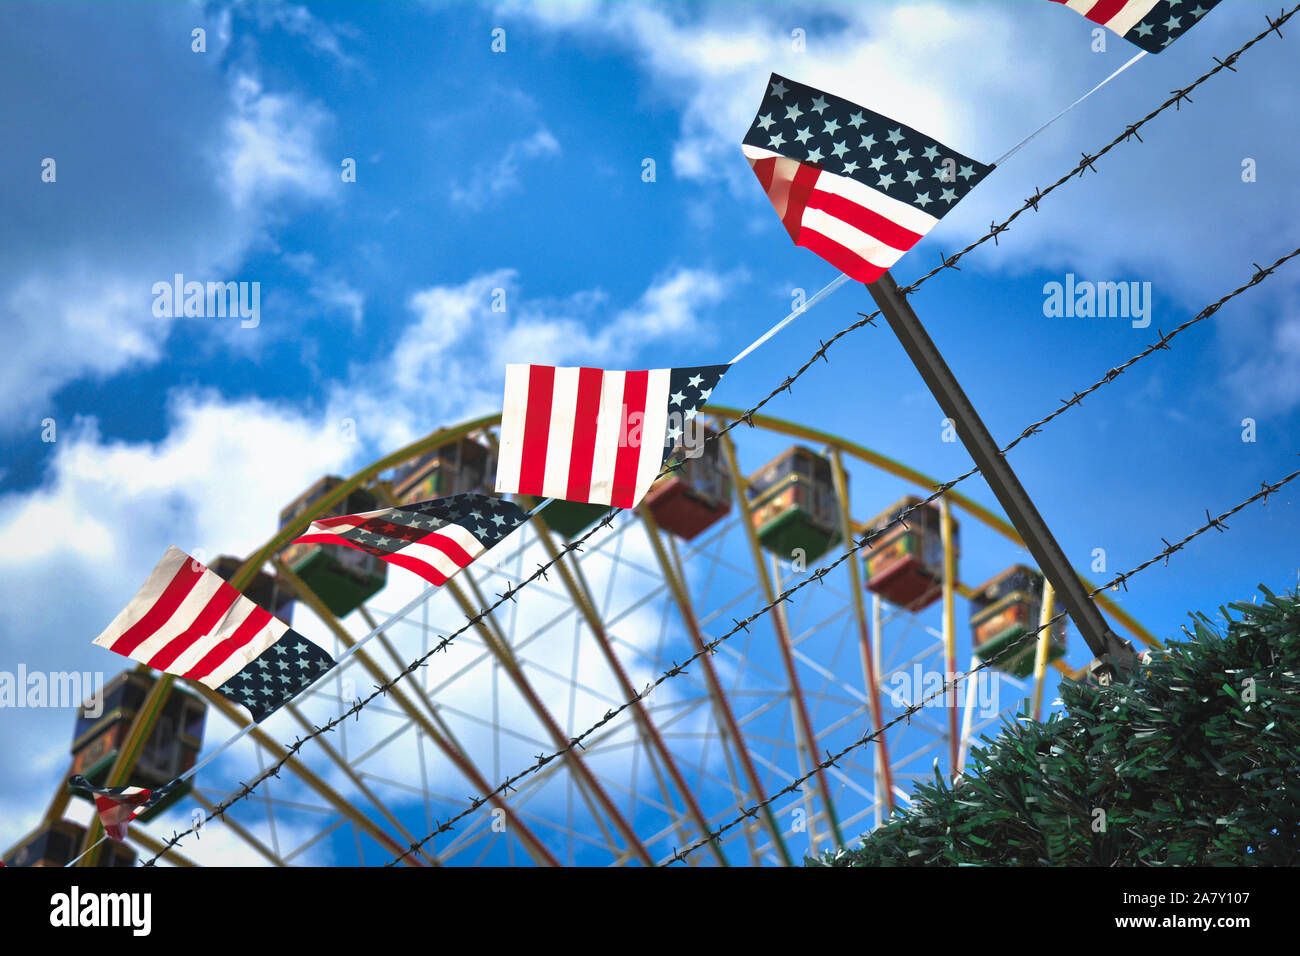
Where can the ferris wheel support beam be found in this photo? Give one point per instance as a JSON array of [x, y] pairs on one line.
[[239, 830], [870, 666], [310, 598], [675, 576], [581, 595], [494, 640], [803, 722], [360, 784], [949, 631], [577, 766], [331, 796], [1045, 616]]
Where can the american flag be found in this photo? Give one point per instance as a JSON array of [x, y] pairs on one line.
[[586, 434], [853, 186], [435, 538], [1151, 24], [187, 621], [117, 805]]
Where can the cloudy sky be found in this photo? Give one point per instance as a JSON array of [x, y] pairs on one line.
[[522, 170]]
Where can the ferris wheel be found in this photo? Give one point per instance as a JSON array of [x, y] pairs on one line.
[[743, 520]]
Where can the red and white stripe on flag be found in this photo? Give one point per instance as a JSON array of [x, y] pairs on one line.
[[435, 556], [857, 229], [116, 811], [186, 620], [1120, 16], [582, 434]]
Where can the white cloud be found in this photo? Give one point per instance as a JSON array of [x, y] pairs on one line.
[[139, 195], [273, 146], [490, 183], [325, 39]]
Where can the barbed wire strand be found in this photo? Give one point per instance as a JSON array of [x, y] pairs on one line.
[[246, 789], [1120, 580], [1085, 163]]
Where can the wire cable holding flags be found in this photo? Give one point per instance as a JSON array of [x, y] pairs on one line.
[[1120, 580], [576, 545]]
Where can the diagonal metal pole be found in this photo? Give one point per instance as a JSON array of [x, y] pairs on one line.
[[1113, 656]]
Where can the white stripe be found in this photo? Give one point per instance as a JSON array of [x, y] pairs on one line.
[[895, 210], [236, 662], [559, 440], [609, 431], [513, 417], [1081, 7], [473, 547], [436, 558], [1130, 15], [190, 608], [778, 191], [837, 230], [654, 431], [236, 616], [146, 597]]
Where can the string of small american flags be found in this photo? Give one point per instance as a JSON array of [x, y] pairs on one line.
[[183, 623]]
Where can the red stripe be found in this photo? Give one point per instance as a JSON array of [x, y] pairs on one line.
[[242, 636], [628, 460], [864, 220], [203, 624], [113, 811], [842, 258], [801, 189], [1103, 10], [449, 547], [537, 428], [441, 542], [582, 456], [764, 169], [326, 537], [352, 520], [423, 568], [162, 610]]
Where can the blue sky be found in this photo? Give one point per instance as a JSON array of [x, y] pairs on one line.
[[522, 171]]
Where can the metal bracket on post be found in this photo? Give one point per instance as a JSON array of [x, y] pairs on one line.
[[1114, 656]]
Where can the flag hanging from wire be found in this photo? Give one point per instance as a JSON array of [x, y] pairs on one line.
[[435, 538], [117, 806], [1150, 24], [187, 621], [587, 434], [851, 185]]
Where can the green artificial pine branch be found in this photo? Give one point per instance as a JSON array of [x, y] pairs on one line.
[[1192, 760]]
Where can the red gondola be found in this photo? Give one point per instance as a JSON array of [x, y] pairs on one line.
[[692, 498], [905, 564]]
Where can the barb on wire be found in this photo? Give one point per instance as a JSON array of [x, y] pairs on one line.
[[679, 855], [949, 262]]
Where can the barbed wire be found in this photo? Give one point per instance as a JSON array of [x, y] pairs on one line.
[[950, 262], [1162, 343], [1120, 580], [868, 541], [246, 789], [710, 647]]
